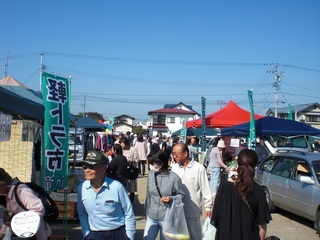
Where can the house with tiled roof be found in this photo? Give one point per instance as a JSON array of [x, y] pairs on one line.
[[307, 113], [169, 119], [123, 124]]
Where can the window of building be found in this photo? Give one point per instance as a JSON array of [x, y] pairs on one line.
[[171, 120], [313, 118], [159, 119]]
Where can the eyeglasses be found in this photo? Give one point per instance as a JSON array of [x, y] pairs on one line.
[[176, 154], [91, 166]]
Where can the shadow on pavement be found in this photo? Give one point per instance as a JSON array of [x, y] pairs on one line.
[[295, 218]]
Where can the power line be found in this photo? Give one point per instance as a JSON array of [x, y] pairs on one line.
[[161, 61], [301, 68], [309, 88], [156, 95], [22, 55], [155, 61]]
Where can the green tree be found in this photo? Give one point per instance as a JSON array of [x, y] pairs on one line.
[[139, 130], [95, 115]]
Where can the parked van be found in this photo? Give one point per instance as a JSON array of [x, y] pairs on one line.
[[279, 142]]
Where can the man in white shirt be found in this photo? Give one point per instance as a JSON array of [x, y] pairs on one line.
[[196, 187]]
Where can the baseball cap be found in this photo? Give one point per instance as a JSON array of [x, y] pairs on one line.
[[96, 157]]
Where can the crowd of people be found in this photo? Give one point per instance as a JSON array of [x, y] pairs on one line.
[[236, 206]]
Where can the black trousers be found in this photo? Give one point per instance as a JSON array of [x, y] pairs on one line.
[[142, 164], [115, 234]]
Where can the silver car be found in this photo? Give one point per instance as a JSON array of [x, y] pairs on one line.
[[291, 182]]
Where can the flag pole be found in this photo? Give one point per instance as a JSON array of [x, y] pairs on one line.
[[252, 136]]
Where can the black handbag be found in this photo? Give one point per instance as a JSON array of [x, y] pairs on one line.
[[133, 172]]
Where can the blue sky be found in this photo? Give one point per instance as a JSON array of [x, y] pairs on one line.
[[130, 57]]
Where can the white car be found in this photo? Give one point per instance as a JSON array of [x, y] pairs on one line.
[[291, 181]]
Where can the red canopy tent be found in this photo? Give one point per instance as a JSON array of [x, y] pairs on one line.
[[229, 115]]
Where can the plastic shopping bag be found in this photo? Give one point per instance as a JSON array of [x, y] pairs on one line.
[[8, 234], [208, 230], [175, 225]]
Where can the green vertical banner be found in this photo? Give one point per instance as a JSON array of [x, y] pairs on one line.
[[183, 131], [252, 137], [203, 136], [56, 101], [290, 112]]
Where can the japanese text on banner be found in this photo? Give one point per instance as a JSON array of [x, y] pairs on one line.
[[56, 127]]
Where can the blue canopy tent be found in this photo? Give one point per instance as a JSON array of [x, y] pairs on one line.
[[19, 106], [271, 126], [197, 132], [24, 102], [90, 124]]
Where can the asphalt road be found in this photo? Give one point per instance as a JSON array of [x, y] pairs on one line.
[[284, 225]]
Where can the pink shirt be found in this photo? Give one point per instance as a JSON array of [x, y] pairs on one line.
[[31, 202], [142, 150]]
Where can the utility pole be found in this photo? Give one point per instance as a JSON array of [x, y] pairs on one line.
[[84, 106], [5, 68], [277, 79], [42, 67]]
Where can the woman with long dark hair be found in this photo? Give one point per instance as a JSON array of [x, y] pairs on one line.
[[240, 210]]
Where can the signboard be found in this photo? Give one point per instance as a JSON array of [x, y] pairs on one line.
[[203, 115], [183, 132], [5, 126], [235, 142], [252, 137], [291, 112], [25, 224], [203, 136], [56, 100]]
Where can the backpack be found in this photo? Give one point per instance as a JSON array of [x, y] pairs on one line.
[[51, 209]]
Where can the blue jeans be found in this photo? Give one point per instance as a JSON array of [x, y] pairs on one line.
[[214, 179], [152, 228]]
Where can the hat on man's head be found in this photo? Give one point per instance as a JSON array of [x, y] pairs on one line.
[[5, 178], [96, 157], [221, 144]]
